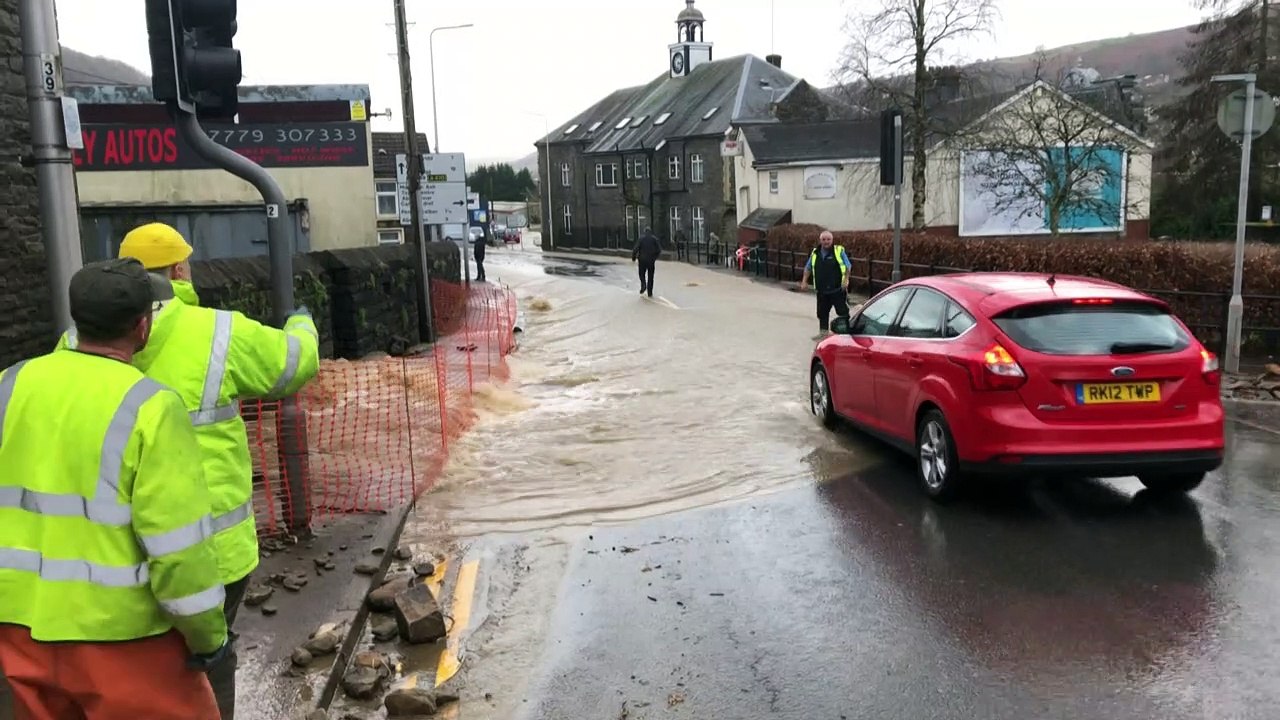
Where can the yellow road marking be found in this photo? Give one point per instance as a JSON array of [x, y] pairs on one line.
[[463, 594]]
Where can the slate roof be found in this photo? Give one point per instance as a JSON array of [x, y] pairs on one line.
[[763, 219], [739, 89], [386, 145], [806, 142]]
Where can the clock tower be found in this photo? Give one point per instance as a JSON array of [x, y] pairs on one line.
[[691, 48]]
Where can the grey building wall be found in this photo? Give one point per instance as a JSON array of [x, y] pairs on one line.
[[26, 326]]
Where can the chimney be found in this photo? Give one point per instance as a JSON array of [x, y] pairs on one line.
[[774, 60]]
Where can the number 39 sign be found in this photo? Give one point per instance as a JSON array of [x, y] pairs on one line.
[[50, 78]]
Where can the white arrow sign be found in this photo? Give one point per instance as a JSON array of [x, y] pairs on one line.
[[444, 203]]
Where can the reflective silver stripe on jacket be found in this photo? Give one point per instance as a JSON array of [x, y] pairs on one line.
[[233, 518], [7, 381], [203, 601], [56, 570], [210, 412], [222, 413], [103, 506], [291, 360], [179, 539]]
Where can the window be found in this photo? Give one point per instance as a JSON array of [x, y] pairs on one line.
[[699, 225], [956, 322], [566, 224], [631, 224], [637, 168], [622, 123], [388, 196], [773, 182], [675, 221], [393, 236], [710, 112], [606, 174], [662, 118], [569, 130], [642, 218], [696, 169], [922, 320], [876, 317], [565, 178], [673, 167], [1093, 328], [594, 126]]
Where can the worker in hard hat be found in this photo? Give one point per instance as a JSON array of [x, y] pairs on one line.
[[110, 594], [214, 359]]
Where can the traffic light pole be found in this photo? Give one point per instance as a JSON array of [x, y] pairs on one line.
[[55, 176], [280, 246], [413, 151]]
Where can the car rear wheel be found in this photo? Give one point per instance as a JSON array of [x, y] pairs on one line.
[[1173, 483], [820, 397], [937, 465]]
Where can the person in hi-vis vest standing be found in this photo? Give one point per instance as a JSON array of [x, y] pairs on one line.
[[829, 266], [111, 602], [214, 359]]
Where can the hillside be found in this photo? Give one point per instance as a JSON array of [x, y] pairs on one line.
[[81, 69]]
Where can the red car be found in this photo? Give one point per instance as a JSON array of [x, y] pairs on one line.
[[1018, 374]]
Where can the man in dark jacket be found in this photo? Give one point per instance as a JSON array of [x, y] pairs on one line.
[[829, 267], [478, 253], [647, 251]]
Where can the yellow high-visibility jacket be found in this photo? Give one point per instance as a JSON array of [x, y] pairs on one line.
[[214, 359], [105, 528]]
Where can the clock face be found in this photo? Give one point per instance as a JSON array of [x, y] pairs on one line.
[[677, 63]]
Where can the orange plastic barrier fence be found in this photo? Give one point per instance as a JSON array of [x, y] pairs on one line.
[[378, 431]]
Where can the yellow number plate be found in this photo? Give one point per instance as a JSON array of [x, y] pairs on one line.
[[1113, 393]]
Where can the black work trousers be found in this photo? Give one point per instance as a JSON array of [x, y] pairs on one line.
[[646, 276], [223, 675], [837, 299], [480, 268]]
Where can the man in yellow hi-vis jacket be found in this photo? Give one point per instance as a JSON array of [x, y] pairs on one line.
[[105, 539], [829, 266], [214, 359]]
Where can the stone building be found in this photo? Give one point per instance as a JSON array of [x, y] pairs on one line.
[[650, 156], [27, 326]]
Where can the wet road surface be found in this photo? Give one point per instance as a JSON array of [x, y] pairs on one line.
[[664, 531]]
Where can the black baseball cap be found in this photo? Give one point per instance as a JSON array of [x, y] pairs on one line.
[[108, 297]]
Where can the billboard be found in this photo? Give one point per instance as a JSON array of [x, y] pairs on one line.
[[1008, 193], [156, 146]]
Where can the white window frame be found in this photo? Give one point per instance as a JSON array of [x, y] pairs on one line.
[[633, 231], [773, 182], [566, 177], [397, 232], [699, 221], [674, 163], [613, 171], [380, 192], [566, 218], [697, 169], [675, 222]]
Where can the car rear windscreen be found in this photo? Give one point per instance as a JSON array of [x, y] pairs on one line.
[[1092, 328]]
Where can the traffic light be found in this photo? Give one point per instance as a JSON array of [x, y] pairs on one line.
[[193, 64], [890, 154]]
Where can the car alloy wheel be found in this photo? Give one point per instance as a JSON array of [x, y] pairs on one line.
[[820, 397], [935, 466]]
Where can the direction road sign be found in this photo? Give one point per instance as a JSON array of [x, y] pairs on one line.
[[444, 203], [445, 167], [1231, 114], [402, 168]]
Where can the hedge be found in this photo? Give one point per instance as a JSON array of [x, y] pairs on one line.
[[1199, 272]]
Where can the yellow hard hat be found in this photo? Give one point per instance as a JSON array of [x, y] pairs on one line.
[[155, 245]]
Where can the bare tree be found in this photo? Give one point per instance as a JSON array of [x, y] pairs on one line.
[[1046, 153], [892, 46]]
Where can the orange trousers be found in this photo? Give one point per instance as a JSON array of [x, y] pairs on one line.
[[137, 680]]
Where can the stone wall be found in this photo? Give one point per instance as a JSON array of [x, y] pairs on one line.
[[363, 300], [26, 327]]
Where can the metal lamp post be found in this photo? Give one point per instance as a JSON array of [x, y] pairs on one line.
[[548, 222], [431, 49]]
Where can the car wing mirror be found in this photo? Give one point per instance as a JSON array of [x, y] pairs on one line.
[[841, 325]]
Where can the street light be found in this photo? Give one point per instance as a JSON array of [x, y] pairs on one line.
[[431, 48], [1235, 309], [548, 221]]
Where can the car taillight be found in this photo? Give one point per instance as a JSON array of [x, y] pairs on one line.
[[995, 369], [1209, 368]]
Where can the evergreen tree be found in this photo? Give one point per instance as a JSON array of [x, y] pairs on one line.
[[1199, 165]]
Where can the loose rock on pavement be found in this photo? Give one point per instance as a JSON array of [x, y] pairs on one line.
[[409, 702], [368, 671], [384, 628], [257, 595], [366, 568], [418, 616]]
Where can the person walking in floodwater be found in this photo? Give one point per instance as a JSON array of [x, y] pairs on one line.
[[647, 251], [828, 265]]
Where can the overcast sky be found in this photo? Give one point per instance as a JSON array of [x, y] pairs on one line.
[[554, 58]]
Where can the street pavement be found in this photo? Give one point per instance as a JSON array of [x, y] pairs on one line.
[[664, 531]]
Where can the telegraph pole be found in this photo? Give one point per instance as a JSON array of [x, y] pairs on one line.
[[426, 324], [55, 176]]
